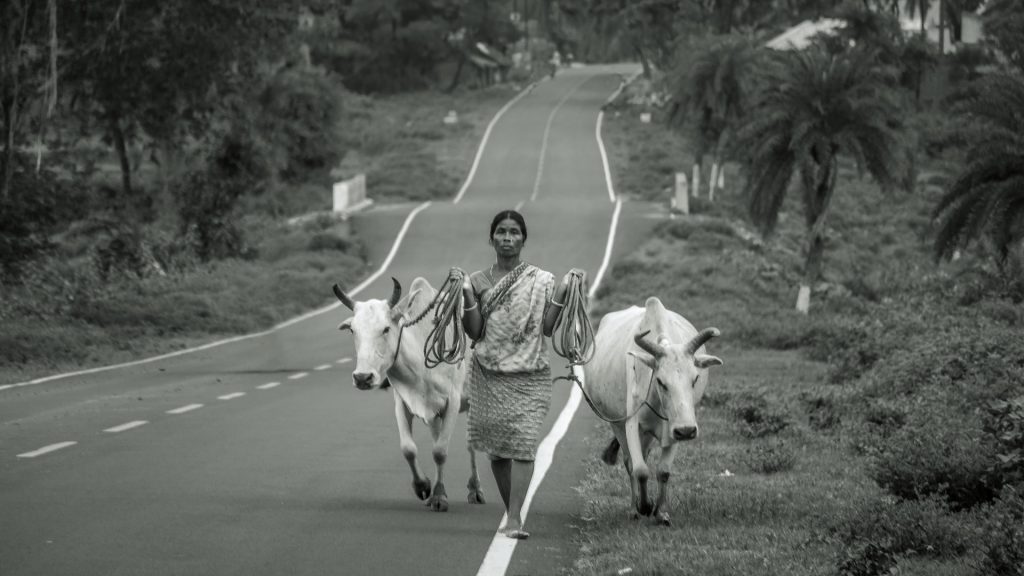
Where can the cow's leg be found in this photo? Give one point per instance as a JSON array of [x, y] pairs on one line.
[[476, 494], [668, 454], [441, 429], [640, 472], [420, 481]]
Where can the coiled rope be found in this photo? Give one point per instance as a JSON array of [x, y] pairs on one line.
[[442, 345], [573, 334], [573, 339]]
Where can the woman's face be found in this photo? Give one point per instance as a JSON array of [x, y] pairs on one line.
[[507, 239]]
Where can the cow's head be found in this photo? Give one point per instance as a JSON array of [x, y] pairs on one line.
[[375, 327], [678, 376]]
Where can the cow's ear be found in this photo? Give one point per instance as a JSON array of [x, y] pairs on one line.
[[645, 358], [346, 324], [706, 361]]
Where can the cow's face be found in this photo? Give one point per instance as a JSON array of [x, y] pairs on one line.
[[375, 327], [678, 376]]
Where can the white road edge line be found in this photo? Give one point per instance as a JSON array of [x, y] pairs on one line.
[[127, 426], [186, 408], [499, 554], [362, 285], [600, 142], [46, 449], [483, 141], [343, 360], [544, 140], [322, 367], [298, 375], [231, 396], [268, 385]]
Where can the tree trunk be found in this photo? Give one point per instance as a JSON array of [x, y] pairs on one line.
[[10, 120], [121, 147], [942, 28], [817, 212], [458, 73], [643, 60]]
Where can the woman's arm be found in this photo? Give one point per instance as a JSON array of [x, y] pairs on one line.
[[554, 306], [472, 320]]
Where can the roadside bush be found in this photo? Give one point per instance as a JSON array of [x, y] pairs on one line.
[[822, 412], [925, 527], [1002, 538], [1006, 425], [941, 450], [757, 418], [868, 559], [300, 114], [770, 456], [26, 217]]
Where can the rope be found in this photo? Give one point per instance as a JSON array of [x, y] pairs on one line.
[[442, 345], [573, 339], [573, 335]]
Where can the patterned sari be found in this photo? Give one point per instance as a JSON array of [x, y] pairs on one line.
[[510, 377]]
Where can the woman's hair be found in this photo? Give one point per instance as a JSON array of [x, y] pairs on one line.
[[504, 215]]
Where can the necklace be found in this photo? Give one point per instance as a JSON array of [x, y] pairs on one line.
[[490, 274]]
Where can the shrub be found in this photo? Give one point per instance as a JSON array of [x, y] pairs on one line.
[[1006, 425], [770, 456], [822, 412], [26, 218], [300, 113], [757, 418], [868, 559], [327, 241], [1002, 549], [943, 450], [925, 527]]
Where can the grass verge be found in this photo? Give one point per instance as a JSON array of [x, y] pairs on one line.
[[822, 447]]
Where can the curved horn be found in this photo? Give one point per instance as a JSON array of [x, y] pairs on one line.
[[343, 297], [395, 294], [700, 339], [648, 346]]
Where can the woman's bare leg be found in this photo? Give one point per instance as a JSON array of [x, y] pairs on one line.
[[522, 475], [502, 468]]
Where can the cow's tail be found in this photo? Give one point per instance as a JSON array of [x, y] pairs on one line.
[[610, 456]]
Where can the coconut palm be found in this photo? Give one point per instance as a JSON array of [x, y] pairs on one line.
[[814, 106], [710, 97], [988, 196]]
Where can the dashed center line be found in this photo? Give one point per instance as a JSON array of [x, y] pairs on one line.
[[269, 385], [299, 375], [127, 426], [184, 409], [343, 360], [46, 449], [231, 396], [322, 367]]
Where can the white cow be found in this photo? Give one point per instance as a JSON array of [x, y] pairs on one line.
[[648, 374], [390, 352]]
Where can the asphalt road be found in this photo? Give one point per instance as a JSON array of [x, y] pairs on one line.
[[284, 467]]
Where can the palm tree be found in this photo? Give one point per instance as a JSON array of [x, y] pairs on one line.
[[710, 98], [988, 196], [814, 106]]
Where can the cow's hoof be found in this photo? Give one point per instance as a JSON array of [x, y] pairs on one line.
[[421, 488], [645, 508], [438, 503], [476, 497], [661, 519]]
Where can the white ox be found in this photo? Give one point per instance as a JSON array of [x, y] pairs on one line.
[[656, 356], [390, 352]]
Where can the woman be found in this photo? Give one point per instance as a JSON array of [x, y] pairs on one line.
[[509, 309]]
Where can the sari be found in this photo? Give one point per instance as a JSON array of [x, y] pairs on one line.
[[509, 375]]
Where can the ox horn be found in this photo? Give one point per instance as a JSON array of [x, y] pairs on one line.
[[395, 294], [343, 297], [650, 347], [700, 339]]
